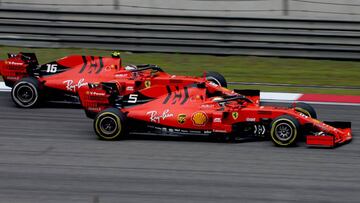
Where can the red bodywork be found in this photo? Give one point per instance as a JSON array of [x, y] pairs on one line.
[[205, 108], [70, 73], [66, 74]]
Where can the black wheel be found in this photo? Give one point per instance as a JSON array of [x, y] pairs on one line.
[[26, 92], [110, 124], [216, 78], [285, 131], [306, 109]]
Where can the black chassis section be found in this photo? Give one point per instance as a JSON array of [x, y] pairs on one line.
[[258, 130], [136, 126], [52, 95]]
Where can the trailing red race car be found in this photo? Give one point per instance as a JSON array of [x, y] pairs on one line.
[[60, 80], [206, 109]]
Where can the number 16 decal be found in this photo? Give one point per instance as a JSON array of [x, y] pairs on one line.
[[51, 68]]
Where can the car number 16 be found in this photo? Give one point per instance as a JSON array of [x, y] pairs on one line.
[[51, 68]]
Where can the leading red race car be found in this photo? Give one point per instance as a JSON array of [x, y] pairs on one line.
[[206, 109], [60, 80]]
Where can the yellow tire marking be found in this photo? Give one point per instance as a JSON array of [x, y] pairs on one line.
[[118, 124], [303, 111], [273, 134]]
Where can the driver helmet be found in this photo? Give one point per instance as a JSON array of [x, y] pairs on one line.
[[215, 99], [130, 67]]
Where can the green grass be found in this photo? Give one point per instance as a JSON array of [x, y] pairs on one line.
[[234, 68]]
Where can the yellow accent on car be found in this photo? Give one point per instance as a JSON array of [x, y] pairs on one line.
[[181, 118], [199, 118], [147, 83], [115, 54], [303, 111], [235, 115], [273, 128]]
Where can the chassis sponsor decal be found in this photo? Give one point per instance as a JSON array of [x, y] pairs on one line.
[[178, 132], [14, 63], [121, 75], [217, 120], [71, 86], [181, 118], [156, 118], [199, 118], [129, 88], [110, 67], [250, 119]]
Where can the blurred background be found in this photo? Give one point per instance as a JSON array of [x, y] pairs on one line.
[[326, 9], [295, 28], [240, 38]]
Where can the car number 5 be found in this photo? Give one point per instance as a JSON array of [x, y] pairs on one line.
[[132, 98]]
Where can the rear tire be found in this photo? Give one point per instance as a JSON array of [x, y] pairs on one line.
[[109, 124], [216, 78], [285, 131], [26, 93], [306, 109]]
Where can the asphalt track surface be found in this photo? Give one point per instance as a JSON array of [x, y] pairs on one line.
[[52, 155]]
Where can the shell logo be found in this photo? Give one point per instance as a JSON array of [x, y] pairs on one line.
[[199, 118]]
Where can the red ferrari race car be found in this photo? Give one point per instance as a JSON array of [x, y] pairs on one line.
[[206, 109], [60, 80]]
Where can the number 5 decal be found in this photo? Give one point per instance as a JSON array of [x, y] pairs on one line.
[[51, 68], [133, 98]]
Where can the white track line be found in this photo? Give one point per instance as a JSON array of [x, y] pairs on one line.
[[280, 96], [4, 88]]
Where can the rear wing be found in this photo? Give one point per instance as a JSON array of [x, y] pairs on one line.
[[18, 66], [98, 96], [29, 58]]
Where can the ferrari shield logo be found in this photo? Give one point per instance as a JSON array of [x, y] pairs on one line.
[[147, 83], [235, 115], [181, 118]]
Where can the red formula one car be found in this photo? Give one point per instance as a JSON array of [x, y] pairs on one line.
[[206, 109], [60, 80]]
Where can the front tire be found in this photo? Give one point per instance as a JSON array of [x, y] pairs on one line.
[[110, 124], [26, 92], [216, 78], [285, 131]]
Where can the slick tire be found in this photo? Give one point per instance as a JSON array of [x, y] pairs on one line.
[[216, 78], [26, 93], [306, 109], [110, 124], [285, 131]]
